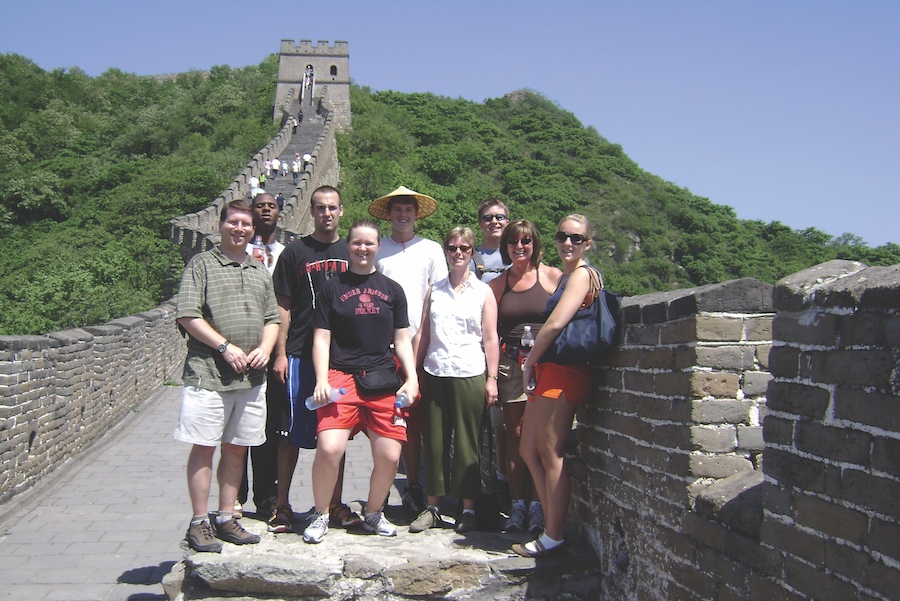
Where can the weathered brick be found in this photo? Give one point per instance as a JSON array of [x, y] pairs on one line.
[[758, 329], [719, 466], [693, 579], [714, 439], [793, 541], [862, 329], [714, 384], [794, 471], [635, 381], [708, 532], [725, 357], [749, 551], [836, 444], [762, 355], [858, 368], [884, 579], [769, 589], [886, 455], [815, 583], [750, 438], [676, 384], [870, 408], [784, 362], [755, 383], [718, 411], [847, 561], [679, 332], [884, 537], [664, 409], [715, 328], [799, 399], [831, 519], [813, 328], [868, 491], [675, 437]]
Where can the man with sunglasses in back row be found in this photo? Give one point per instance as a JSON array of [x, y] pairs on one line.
[[487, 262]]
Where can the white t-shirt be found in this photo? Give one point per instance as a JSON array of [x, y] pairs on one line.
[[415, 265]]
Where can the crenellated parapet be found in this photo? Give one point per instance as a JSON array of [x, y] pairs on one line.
[[328, 89]]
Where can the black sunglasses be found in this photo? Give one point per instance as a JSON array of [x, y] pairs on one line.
[[500, 217], [463, 247], [524, 241], [577, 239]]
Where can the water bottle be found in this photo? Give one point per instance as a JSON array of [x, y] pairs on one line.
[[258, 249], [525, 345], [401, 401], [334, 395]]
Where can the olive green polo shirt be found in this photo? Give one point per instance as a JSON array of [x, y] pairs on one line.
[[238, 301]]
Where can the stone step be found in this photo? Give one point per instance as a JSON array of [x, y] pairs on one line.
[[354, 564]]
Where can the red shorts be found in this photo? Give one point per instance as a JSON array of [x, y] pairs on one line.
[[355, 414], [554, 379]]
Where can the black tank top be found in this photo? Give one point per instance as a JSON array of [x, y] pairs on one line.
[[519, 308]]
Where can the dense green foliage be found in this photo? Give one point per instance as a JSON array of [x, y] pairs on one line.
[[94, 169], [650, 234]]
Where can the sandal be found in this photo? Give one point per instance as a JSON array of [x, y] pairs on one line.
[[341, 514], [541, 551]]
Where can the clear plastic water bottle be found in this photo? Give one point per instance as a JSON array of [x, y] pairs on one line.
[[258, 249], [400, 402], [525, 345], [334, 395]]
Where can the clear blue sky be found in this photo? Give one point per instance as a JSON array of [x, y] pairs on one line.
[[786, 111]]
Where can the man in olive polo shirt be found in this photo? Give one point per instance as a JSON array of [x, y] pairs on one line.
[[227, 306]]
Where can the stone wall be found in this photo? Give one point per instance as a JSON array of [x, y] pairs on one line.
[[197, 232], [685, 496], [331, 65], [61, 392]]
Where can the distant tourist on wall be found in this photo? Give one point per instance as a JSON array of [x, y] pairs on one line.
[[276, 167]]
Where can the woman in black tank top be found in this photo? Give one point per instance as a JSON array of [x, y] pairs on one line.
[[522, 293]]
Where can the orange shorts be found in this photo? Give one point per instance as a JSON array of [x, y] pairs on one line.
[[357, 415], [554, 379]]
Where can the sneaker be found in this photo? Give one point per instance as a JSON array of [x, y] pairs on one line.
[[200, 538], [413, 498], [232, 532], [516, 520], [427, 519], [282, 520], [317, 530], [379, 524], [238, 510], [466, 523], [341, 515], [535, 518]]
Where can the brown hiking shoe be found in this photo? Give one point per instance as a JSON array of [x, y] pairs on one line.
[[232, 532], [200, 538]]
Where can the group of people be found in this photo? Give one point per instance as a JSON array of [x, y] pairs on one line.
[[370, 321]]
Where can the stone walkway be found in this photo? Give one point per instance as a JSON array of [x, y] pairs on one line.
[[109, 524]]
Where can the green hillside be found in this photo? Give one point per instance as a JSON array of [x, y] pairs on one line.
[[650, 234], [96, 167]]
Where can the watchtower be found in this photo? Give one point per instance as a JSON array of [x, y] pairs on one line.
[[319, 73]]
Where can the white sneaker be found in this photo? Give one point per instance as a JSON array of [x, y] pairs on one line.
[[379, 524], [317, 530]]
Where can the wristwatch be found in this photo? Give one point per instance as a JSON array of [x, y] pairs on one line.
[[223, 346]]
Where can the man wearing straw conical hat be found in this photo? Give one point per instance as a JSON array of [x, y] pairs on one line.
[[415, 264]]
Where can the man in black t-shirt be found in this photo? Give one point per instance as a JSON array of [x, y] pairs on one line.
[[304, 266]]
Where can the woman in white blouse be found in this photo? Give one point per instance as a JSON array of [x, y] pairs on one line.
[[457, 348]]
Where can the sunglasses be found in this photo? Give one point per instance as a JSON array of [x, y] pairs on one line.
[[463, 247], [577, 239], [500, 217], [524, 241]]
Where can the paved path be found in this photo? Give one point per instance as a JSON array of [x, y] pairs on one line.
[[109, 524]]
